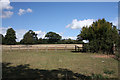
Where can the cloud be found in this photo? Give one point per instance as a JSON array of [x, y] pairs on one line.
[[86, 41], [6, 14], [29, 10], [115, 21], [23, 11], [79, 24], [40, 34], [5, 4], [3, 30], [19, 34], [67, 37]]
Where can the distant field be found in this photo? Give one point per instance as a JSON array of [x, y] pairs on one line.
[[58, 64]]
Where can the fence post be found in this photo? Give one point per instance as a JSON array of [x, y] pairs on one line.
[[55, 48], [27, 48], [37, 48], [46, 48], [10, 47], [65, 47], [75, 47], [19, 47], [40, 48]]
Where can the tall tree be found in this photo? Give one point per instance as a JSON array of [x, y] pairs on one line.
[[101, 35], [2, 39], [53, 37], [29, 38], [10, 37]]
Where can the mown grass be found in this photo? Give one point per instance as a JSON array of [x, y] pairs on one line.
[[83, 63]]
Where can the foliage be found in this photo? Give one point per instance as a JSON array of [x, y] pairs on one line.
[[42, 41], [62, 41], [117, 51], [67, 41], [97, 76], [85, 48], [53, 37], [2, 39], [50, 37], [10, 37], [101, 35], [29, 38], [108, 71]]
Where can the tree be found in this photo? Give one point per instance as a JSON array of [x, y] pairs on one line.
[[29, 38], [2, 39], [101, 35], [53, 37], [69, 41], [10, 37], [40, 41]]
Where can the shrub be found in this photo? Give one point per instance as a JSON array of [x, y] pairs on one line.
[[108, 71]]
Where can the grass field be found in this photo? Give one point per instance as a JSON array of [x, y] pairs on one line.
[[57, 64]]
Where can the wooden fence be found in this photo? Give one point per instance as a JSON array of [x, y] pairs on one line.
[[41, 47]]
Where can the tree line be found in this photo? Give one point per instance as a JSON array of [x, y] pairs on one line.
[[30, 37], [102, 35]]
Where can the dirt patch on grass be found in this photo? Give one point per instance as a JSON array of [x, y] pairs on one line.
[[104, 56]]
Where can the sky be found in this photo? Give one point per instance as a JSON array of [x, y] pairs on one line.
[[64, 18]]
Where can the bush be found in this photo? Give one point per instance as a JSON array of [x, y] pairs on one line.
[[97, 77], [86, 48], [108, 71]]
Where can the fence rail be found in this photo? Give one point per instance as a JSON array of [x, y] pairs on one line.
[[41, 47]]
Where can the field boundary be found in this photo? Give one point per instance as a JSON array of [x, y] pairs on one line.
[[41, 47]]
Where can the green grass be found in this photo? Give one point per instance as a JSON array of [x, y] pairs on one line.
[[82, 63]]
